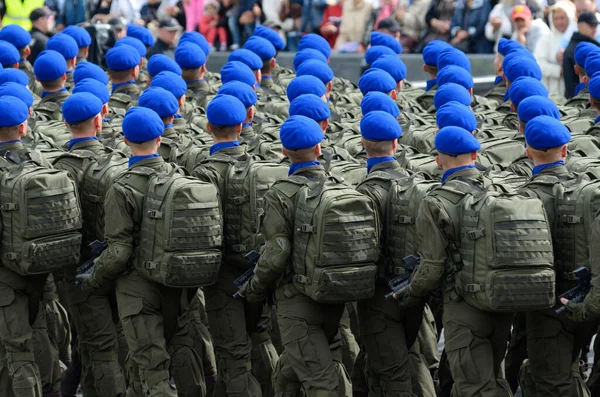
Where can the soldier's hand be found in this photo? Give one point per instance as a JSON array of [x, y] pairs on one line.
[[575, 310], [86, 281], [405, 299], [251, 295]]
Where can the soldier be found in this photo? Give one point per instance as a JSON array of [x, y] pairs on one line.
[[247, 96], [13, 76], [320, 70], [594, 89], [450, 92], [176, 86], [161, 63], [21, 39], [377, 51], [67, 47], [192, 61], [307, 84], [250, 59], [316, 42], [142, 34], [430, 55], [377, 80], [123, 69], [499, 92], [83, 40], [237, 71], [380, 38], [277, 42], [142, 80], [9, 55], [582, 51], [456, 114], [50, 70], [267, 53], [88, 70]]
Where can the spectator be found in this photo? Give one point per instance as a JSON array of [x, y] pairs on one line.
[[312, 14], [526, 30], [548, 53], [386, 11], [194, 12], [73, 12], [587, 25], [468, 26], [210, 28], [165, 41], [149, 12], [499, 21], [332, 18], [244, 14], [355, 15], [438, 19], [41, 27], [16, 12], [411, 16], [389, 26]]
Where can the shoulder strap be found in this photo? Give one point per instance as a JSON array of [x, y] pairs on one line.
[[11, 156]]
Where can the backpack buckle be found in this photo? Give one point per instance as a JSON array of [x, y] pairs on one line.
[[407, 220], [93, 198], [473, 288], [305, 228], [155, 214], [12, 256], [9, 207], [150, 265], [240, 200], [301, 279], [239, 248], [572, 219], [475, 234]]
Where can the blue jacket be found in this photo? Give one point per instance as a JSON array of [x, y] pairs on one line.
[[473, 20]]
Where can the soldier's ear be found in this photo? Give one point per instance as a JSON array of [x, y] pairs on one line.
[[474, 156], [438, 161], [273, 62], [527, 152], [394, 145], [329, 86], [564, 151]]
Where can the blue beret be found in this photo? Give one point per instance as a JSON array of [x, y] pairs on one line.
[[80, 107], [271, 35], [237, 71], [189, 56], [197, 39], [379, 101], [300, 132], [454, 74], [592, 63], [452, 56], [246, 57], [261, 47], [49, 65], [545, 132], [380, 126], [455, 141], [455, 114], [376, 80], [142, 125], [315, 41], [141, 33], [306, 54], [135, 43], [316, 68], [594, 86], [63, 44], [310, 106], [451, 92], [159, 100], [393, 65], [535, 106], [225, 110], [379, 38], [94, 87], [432, 51], [15, 35], [9, 55], [305, 85], [171, 82], [521, 66], [524, 87], [17, 90], [506, 46], [121, 58], [88, 70], [13, 75], [79, 34], [241, 91], [160, 63], [582, 51], [377, 51], [12, 111]]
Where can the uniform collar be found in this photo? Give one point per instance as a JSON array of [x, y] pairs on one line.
[[579, 87], [75, 141], [223, 145], [118, 85], [498, 80], [373, 161], [447, 174], [597, 120], [297, 167], [539, 168], [429, 84], [170, 131], [136, 159], [46, 93]]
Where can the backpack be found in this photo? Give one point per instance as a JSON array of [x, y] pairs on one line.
[[501, 151], [584, 165], [586, 145], [487, 131], [577, 124], [53, 130], [411, 160], [48, 111], [504, 259], [335, 241], [351, 172], [421, 139]]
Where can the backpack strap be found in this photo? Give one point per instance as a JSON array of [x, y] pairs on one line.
[[13, 157]]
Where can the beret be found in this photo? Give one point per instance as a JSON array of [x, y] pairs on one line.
[[160, 63], [310, 106], [271, 35], [121, 58], [141, 33], [79, 34], [305, 85], [306, 54], [94, 87], [159, 100], [246, 57], [315, 41], [189, 56], [17, 90], [432, 50], [455, 114], [171, 82], [49, 65], [524, 87], [455, 141], [225, 110], [300, 132], [592, 63], [582, 51], [380, 126], [316, 68], [594, 86], [506, 46], [237, 71], [545, 132], [451, 92], [9, 55], [80, 107], [135, 43], [377, 51], [534, 106], [241, 91], [454, 74], [393, 65], [63, 44], [142, 125], [15, 35], [376, 80], [452, 56], [13, 75], [89, 70], [12, 111], [261, 47], [521, 66], [379, 38], [379, 101], [197, 39]]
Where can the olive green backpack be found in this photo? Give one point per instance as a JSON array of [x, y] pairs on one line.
[[47, 111], [499, 151], [585, 145], [53, 130], [410, 159]]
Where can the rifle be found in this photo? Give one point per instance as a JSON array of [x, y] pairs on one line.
[[410, 264], [252, 258], [577, 293], [97, 247]]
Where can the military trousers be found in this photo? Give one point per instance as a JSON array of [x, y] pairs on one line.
[[202, 339], [156, 324]]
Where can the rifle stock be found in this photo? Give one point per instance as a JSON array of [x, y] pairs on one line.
[[252, 257], [97, 247], [397, 284], [577, 293]]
